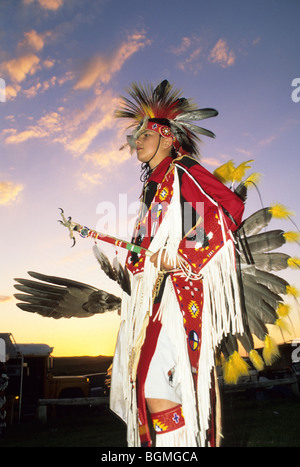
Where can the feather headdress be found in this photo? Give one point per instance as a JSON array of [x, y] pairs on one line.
[[164, 102]]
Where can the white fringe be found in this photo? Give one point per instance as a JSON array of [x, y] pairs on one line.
[[134, 311], [170, 315], [221, 313], [177, 438]]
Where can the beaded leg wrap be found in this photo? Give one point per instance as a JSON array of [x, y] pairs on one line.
[[168, 420]]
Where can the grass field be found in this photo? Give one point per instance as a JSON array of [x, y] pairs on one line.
[[247, 422]]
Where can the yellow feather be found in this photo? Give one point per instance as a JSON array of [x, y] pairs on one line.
[[240, 170], [224, 172], [283, 325], [270, 351], [252, 180], [148, 111], [234, 368], [291, 290], [294, 262], [283, 310], [279, 211], [292, 236], [256, 360]]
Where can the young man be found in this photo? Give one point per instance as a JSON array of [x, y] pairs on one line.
[[185, 295], [204, 284]]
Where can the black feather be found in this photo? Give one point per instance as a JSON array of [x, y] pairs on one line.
[[264, 242], [271, 261], [275, 283], [198, 114], [65, 299], [256, 222], [116, 272]]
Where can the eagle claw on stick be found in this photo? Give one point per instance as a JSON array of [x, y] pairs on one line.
[[67, 223]]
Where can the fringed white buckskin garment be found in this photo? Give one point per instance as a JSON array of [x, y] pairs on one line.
[[220, 290]]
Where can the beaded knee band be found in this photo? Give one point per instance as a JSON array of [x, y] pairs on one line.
[[168, 420]]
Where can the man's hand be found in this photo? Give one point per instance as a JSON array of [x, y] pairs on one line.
[[164, 263]]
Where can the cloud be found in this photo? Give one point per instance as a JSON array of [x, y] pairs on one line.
[[221, 55], [89, 179], [190, 49], [11, 92], [211, 161], [47, 126], [32, 91], [101, 68], [33, 41], [46, 4], [288, 125], [106, 158], [27, 62], [81, 127], [48, 63], [245, 152], [192, 62], [18, 68], [9, 192], [182, 48], [268, 140], [256, 41], [75, 130], [195, 51], [78, 145]]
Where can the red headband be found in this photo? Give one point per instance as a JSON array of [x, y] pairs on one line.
[[164, 131]]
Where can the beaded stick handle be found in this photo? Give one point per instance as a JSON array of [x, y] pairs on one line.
[[85, 232]]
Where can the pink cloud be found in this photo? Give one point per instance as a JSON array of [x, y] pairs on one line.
[[101, 68], [221, 55]]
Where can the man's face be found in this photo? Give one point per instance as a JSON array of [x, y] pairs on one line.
[[146, 145]]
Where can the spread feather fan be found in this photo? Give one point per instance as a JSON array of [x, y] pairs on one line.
[[262, 290], [57, 297]]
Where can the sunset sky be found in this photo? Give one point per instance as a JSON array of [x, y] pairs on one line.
[[65, 63]]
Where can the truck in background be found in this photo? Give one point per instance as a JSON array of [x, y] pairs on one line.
[[30, 371]]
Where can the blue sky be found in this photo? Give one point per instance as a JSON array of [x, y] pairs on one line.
[[65, 63]]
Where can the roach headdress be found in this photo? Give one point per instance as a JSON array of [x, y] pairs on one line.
[[164, 110]]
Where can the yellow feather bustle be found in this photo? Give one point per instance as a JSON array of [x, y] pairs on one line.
[[279, 211], [270, 351], [253, 179], [283, 310], [229, 173], [291, 290], [234, 368], [294, 262], [224, 172], [240, 170], [292, 236], [256, 360], [283, 325]]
